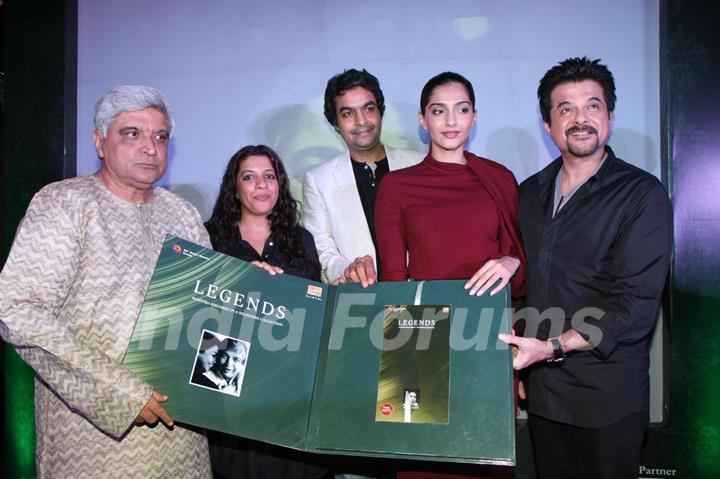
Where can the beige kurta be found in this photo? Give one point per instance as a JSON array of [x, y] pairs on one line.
[[71, 291]]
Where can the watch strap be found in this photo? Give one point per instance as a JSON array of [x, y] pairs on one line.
[[558, 353]]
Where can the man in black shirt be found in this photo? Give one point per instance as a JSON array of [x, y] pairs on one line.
[[597, 234], [339, 195]]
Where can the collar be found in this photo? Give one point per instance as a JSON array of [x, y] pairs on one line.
[[558, 178], [546, 177], [359, 166]]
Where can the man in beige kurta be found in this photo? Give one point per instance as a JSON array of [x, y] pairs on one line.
[[72, 288]]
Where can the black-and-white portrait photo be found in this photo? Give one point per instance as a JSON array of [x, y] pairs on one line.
[[412, 398], [220, 363]]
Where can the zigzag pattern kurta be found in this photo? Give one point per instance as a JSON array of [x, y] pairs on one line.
[[72, 288]]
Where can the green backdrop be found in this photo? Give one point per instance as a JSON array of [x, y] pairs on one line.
[[38, 147]]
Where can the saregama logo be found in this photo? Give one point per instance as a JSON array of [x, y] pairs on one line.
[[314, 291], [177, 249]]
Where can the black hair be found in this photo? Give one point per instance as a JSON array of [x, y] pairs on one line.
[[442, 79], [345, 81], [575, 70], [283, 219]]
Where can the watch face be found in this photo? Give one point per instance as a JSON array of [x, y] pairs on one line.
[[558, 353]]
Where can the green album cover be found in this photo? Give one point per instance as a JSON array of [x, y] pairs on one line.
[[481, 412], [309, 366], [414, 377], [234, 349]]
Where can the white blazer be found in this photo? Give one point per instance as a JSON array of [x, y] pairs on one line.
[[333, 213]]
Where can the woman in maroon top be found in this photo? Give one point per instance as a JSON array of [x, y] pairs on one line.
[[454, 215]]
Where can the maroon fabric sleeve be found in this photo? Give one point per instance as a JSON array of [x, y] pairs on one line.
[[501, 184]]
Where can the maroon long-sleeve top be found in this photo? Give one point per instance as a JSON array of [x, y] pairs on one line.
[[440, 220]]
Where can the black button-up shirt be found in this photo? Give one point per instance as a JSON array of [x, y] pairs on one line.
[[607, 249], [271, 254]]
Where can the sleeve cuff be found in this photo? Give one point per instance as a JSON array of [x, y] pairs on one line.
[[603, 342]]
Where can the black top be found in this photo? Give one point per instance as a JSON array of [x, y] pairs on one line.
[[608, 249], [367, 182], [271, 254], [234, 456]]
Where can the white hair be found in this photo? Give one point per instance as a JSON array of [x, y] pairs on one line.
[[128, 98]]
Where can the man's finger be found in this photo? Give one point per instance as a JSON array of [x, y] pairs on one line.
[[160, 412], [360, 269], [370, 270], [509, 339], [351, 273], [144, 418], [159, 397], [155, 409], [366, 271]]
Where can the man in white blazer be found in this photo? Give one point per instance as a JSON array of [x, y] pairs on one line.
[[339, 196]]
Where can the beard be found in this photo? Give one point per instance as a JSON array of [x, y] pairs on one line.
[[368, 141], [585, 147]]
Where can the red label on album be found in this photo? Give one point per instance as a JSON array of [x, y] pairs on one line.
[[386, 409]]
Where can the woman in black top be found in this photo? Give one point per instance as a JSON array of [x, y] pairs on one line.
[[255, 218]]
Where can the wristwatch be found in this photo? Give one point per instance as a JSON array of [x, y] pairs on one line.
[[558, 353]]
